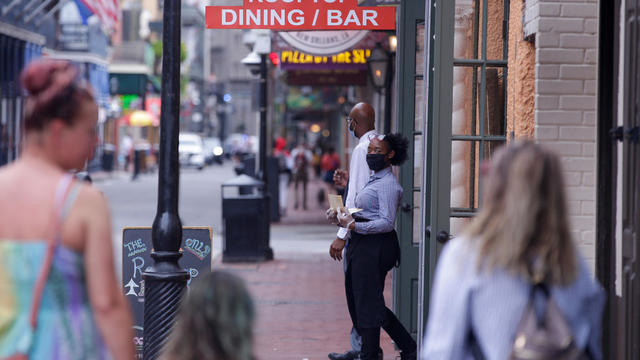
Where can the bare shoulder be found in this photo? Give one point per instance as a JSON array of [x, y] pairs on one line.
[[91, 200]]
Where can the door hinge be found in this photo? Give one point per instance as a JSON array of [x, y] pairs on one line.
[[617, 133], [633, 134]]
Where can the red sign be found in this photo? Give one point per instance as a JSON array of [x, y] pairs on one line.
[[301, 15]]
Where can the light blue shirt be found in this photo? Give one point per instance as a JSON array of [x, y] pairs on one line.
[[492, 303], [379, 200], [359, 174]]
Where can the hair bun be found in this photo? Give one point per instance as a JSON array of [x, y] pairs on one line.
[[47, 77]]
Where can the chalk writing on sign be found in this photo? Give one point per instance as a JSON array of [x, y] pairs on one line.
[[135, 247], [192, 274], [136, 258], [197, 248], [131, 285], [138, 264]]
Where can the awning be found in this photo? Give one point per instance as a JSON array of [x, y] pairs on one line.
[[139, 118]]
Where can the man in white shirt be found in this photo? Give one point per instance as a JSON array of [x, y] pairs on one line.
[[361, 124]]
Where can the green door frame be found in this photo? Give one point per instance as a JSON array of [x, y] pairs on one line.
[[428, 190], [438, 90], [405, 284]]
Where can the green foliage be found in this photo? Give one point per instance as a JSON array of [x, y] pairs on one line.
[[183, 52], [157, 50]]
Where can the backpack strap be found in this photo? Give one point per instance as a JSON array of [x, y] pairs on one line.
[[62, 191]]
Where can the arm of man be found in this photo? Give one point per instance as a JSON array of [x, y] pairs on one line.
[[341, 177], [358, 177], [335, 250]]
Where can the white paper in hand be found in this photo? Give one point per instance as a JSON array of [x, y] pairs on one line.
[[335, 201]]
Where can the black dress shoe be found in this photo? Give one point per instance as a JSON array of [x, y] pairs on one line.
[[349, 355]]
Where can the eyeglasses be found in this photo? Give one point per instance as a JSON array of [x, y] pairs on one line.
[[349, 120]]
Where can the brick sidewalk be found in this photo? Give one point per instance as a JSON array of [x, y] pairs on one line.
[[302, 311], [314, 214]]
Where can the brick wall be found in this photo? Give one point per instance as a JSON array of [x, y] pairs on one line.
[[565, 100]]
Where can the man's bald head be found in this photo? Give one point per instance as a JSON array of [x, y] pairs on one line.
[[365, 118]]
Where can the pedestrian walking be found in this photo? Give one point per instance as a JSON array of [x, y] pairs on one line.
[[59, 297], [373, 249], [330, 163], [302, 158], [126, 150], [516, 257], [285, 167], [215, 321], [361, 125]]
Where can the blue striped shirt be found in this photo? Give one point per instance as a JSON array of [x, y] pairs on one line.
[[379, 200], [492, 303]]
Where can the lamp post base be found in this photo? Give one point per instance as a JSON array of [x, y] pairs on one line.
[[164, 285]]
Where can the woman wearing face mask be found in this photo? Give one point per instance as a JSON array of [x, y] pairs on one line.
[[373, 249]]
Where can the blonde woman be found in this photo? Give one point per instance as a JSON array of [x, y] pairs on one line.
[[521, 235]]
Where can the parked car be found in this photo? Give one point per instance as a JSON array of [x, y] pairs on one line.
[[213, 151], [191, 150]]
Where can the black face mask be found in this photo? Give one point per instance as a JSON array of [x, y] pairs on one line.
[[376, 161]]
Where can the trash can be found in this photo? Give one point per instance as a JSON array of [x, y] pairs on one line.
[[108, 157], [246, 221]]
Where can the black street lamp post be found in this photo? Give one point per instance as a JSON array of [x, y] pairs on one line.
[[263, 121], [381, 72], [257, 64], [165, 281]]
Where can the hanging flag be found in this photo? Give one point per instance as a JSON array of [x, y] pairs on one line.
[[107, 11], [83, 10]]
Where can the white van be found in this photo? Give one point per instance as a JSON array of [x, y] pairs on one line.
[[191, 150]]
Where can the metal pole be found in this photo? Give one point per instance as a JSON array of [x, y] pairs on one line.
[[165, 280], [263, 152], [263, 117], [387, 109]]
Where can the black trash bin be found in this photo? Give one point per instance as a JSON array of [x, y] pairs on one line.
[[108, 157], [246, 221]]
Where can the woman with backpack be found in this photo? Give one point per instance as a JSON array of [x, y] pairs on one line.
[[514, 285]]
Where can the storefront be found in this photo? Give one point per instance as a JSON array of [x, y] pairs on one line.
[[18, 47], [618, 199]]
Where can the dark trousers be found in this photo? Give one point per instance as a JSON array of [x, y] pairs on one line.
[[369, 258], [301, 178]]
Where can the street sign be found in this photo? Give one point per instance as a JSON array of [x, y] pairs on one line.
[[347, 60], [74, 37], [136, 257], [301, 15]]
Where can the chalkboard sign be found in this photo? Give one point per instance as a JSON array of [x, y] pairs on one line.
[[136, 257]]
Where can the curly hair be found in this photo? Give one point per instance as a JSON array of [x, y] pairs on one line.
[[215, 321], [400, 145]]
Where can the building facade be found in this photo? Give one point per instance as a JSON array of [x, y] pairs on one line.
[[476, 74]]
